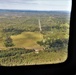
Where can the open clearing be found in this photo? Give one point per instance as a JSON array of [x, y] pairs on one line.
[[27, 39]]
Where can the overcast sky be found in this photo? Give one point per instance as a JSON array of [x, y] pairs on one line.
[[36, 4]]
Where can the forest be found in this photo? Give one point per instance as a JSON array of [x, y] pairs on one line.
[[33, 37]]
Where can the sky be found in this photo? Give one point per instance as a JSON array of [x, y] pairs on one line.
[[46, 5]]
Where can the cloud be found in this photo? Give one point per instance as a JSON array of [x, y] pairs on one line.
[[52, 2], [36, 4]]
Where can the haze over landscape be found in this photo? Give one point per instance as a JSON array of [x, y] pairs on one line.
[[63, 5]]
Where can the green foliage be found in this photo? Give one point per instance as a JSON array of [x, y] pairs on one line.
[[58, 44], [21, 29], [14, 51], [40, 43], [12, 31], [20, 57], [8, 42]]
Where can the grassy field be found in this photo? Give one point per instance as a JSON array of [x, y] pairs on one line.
[[27, 39]]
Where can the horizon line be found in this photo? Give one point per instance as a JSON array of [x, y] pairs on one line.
[[35, 10]]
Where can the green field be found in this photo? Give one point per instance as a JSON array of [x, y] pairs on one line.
[[27, 40]]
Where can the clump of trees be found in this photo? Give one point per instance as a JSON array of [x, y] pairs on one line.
[[12, 31], [14, 51], [58, 43], [22, 49], [8, 41], [55, 44]]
